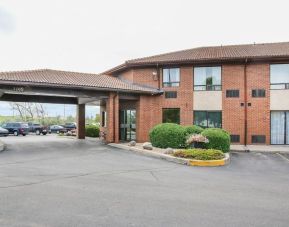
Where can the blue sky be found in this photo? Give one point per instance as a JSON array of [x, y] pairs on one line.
[[52, 110]]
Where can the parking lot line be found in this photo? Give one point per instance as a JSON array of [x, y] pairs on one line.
[[282, 156]]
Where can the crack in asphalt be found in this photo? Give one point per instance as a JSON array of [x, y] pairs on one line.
[[88, 174]]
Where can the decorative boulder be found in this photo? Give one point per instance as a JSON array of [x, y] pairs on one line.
[[169, 151], [132, 143], [147, 146]]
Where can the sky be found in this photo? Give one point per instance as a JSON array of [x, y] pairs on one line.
[[93, 36]]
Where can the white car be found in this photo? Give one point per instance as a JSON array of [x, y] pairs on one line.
[[3, 132]]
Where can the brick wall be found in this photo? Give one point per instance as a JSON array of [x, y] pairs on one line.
[[233, 115], [258, 77], [149, 108]]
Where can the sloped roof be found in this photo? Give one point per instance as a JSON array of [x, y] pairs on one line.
[[213, 54], [57, 78]]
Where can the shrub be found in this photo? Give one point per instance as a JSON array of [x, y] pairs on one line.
[[168, 135], [92, 131], [200, 154], [218, 139], [193, 129]]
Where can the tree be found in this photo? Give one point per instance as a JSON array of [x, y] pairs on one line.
[[28, 111]]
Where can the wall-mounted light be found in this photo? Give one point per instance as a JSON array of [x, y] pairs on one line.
[[155, 75]]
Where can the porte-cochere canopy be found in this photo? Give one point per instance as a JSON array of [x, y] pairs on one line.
[[54, 86], [57, 78]]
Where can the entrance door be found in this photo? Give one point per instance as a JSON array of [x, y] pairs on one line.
[[127, 125], [280, 127]]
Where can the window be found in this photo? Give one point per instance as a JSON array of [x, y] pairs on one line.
[[208, 119], [232, 93], [258, 139], [170, 94], [279, 76], [171, 77], [235, 138], [103, 119], [257, 93], [171, 115], [207, 79]]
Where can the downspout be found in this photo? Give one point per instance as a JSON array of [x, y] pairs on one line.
[[245, 103], [159, 76], [113, 116]]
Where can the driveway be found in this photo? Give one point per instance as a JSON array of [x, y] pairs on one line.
[[54, 181]]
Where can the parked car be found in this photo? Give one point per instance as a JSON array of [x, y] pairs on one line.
[[17, 128], [56, 129], [70, 126], [3, 132], [37, 128]]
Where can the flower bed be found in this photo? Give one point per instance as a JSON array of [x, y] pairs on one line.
[[200, 154]]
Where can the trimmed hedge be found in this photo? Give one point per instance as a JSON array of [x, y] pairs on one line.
[[168, 135], [218, 139], [193, 129], [92, 131], [200, 154]]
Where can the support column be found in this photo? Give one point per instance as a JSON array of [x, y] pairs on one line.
[[112, 107], [81, 121]]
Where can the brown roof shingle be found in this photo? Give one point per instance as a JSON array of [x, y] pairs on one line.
[[213, 54], [72, 79]]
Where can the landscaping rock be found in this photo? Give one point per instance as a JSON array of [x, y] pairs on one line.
[[132, 143], [147, 146], [169, 151]]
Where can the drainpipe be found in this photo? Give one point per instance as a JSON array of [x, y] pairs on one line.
[[159, 76], [113, 116], [245, 103]]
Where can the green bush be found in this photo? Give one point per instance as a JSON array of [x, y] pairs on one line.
[[193, 129], [92, 131], [200, 154], [168, 135], [218, 139]]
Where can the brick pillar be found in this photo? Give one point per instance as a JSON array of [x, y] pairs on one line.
[[81, 121], [112, 108]]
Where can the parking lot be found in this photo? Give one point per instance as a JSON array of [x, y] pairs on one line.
[[56, 181]]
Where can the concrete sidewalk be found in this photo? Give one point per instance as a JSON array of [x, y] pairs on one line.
[[261, 148]]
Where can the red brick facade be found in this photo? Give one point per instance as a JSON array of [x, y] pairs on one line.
[[149, 108]]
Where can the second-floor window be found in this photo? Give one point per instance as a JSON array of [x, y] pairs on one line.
[[207, 79], [171, 77], [279, 76]]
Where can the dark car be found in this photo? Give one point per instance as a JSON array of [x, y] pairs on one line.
[[37, 128], [56, 129], [3, 132], [17, 128], [69, 126]]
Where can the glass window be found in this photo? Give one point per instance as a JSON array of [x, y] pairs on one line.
[[257, 93], [171, 77], [207, 78], [170, 94], [232, 93], [208, 119], [279, 76], [171, 115]]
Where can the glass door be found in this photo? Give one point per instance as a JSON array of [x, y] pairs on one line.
[[127, 125], [278, 121]]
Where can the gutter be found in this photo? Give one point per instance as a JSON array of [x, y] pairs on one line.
[[23, 83]]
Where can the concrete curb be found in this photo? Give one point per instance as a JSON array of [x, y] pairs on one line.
[[269, 149], [170, 158], [2, 146]]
